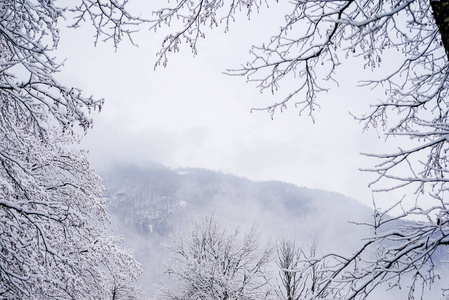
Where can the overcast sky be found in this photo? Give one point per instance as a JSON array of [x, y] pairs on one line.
[[191, 115]]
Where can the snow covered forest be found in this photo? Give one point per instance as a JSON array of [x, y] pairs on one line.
[[56, 241], [155, 206]]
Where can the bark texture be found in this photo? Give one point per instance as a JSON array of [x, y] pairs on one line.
[[441, 15]]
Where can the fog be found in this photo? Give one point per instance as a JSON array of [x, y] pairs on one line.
[[190, 114], [149, 204]]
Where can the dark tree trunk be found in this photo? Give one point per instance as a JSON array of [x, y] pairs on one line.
[[441, 14]]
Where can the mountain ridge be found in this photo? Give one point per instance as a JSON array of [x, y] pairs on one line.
[[152, 194]]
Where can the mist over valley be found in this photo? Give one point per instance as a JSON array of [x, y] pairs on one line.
[[148, 204]]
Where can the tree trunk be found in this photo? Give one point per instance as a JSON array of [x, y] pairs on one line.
[[441, 15]]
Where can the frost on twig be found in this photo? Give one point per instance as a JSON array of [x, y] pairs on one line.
[[53, 243]]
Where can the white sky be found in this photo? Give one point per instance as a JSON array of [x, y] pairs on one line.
[[191, 115]]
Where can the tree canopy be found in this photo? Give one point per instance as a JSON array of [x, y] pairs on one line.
[[211, 263], [53, 240], [316, 38]]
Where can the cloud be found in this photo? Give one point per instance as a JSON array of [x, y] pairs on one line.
[[191, 115]]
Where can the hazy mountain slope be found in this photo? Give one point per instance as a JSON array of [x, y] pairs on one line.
[[147, 203]]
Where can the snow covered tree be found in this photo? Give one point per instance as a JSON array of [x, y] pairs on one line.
[[319, 36], [210, 263], [287, 260], [299, 272], [53, 240]]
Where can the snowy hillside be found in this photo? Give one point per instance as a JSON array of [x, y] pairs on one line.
[[148, 203]]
